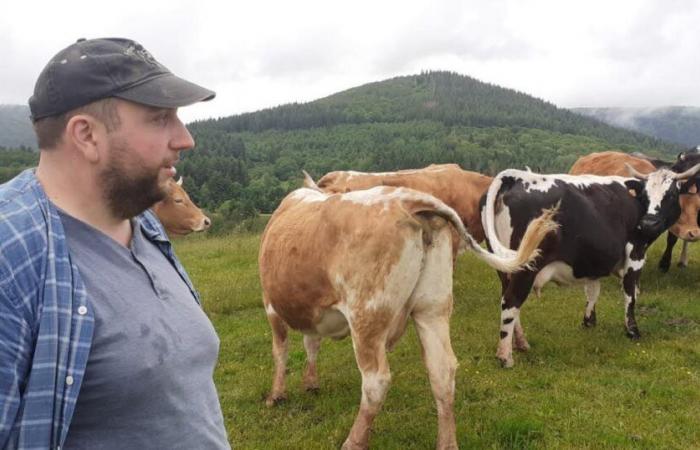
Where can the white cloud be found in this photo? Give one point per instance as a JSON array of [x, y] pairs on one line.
[[265, 53]]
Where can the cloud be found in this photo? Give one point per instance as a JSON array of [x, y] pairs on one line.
[[260, 54]]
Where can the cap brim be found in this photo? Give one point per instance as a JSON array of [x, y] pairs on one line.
[[166, 91]]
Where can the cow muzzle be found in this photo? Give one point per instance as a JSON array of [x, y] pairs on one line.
[[204, 224], [651, 226], [685, 233]]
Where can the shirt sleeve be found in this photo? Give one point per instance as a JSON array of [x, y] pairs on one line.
[[15, 350]]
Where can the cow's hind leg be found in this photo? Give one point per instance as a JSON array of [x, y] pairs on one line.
[[514, 296], [311, 344], [519, 339], [376, 377], [592, 290], [434, 333], [279, 353]]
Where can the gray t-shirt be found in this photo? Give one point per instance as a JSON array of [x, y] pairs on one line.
[[148, 382]]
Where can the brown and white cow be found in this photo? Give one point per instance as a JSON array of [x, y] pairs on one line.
[[459, 189], [361, 263], [686, 228], [178, 213]]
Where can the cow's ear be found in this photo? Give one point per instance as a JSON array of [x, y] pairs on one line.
[[688, 187], [635, 187], [693, 186]]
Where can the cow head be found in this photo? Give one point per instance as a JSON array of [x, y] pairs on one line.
[[687, 226], [658, 193], [178, 214]]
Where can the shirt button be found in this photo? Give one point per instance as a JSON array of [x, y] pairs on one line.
[[82, 310], [69, 380]]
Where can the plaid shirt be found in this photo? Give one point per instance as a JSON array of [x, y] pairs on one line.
[[46, 323]]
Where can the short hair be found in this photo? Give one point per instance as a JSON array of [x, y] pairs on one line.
[[49, 130]]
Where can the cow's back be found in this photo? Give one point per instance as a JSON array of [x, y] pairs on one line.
[[460, 189], [595, 221], [610, 163]]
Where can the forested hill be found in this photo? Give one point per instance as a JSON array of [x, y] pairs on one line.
[[679, 124], [444, 97]]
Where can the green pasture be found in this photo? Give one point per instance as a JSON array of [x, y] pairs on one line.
[[576, 388]]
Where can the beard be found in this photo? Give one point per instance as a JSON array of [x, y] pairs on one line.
[[129, 187]]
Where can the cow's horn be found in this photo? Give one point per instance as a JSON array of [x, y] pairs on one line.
[[179, 182], [688, 173], [632, 171], [309, 182]]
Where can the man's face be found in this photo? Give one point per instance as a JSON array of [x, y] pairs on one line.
[[141, 156]]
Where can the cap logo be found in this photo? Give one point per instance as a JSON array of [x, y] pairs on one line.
[[141, 53]]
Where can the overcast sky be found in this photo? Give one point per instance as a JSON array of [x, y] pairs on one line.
[[259, 53]]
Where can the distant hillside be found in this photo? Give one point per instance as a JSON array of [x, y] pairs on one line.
[[444, 97], [679, 124], [15, 127], [250, 161]]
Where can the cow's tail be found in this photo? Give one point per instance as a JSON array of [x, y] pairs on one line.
[[515, 260], [309, 182], [536, 230]]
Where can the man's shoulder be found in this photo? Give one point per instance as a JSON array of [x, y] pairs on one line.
[[21, 216], [18, 193]]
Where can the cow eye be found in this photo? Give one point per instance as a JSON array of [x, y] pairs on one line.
[[179, 200]]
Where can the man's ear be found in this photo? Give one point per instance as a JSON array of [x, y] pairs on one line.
[[82, 132], [635, 187]]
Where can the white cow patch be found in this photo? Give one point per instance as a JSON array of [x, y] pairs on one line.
[[352, 173], [632, 264], [557, 271], [307, 195], [504, 229], [545, 182], [657, 186], [400, 281]]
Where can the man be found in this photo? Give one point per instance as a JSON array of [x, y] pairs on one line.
[[103, 343]]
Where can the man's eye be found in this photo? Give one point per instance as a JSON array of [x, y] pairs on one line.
[[161, 119]]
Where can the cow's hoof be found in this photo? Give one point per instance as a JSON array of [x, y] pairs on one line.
[[271, 400], [506, 363], [312, 389], [682, 265], [589, 322], [664, 266], [633, 333], [522, 345], [349, 445]]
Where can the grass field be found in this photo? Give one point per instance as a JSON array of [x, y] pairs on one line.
[[576, 388]]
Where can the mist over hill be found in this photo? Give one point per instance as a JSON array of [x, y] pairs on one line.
[[678, 124], [15, 127]]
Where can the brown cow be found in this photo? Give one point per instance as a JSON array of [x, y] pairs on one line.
[[460, 189], [610, 163], [613, 163], [178, 214], [360, 264]]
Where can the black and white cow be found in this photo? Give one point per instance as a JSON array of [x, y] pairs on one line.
[[605, 227]]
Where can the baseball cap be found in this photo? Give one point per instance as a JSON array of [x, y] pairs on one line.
[[93, 69]]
